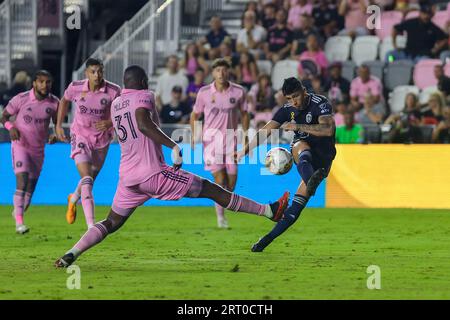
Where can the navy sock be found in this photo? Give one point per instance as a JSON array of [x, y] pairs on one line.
[[304, 165], [290, 216]]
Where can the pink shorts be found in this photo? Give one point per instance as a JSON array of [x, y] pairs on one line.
[[166, 185], [83, 150], [28, 161], [218, 162]]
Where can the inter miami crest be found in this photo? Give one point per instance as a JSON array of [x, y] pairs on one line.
[[104, 102], [19, 164], [48, 110], [232, 100]]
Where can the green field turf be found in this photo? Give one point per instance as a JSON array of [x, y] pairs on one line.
[[178, 253]]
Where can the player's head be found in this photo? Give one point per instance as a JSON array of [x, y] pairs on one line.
[[220, 70], [294, 92], [42, 83], [94, 71], [136, 78]]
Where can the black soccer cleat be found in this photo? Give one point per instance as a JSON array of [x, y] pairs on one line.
[[260, 245], [65, 261], [315, 180]]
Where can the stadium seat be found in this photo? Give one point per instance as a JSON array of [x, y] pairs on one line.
[[338, 48], [348, 70], [440, 19], [264, 66], [424, 73], [365, 48], [397, 97], [386, 45], [412, 15], [397, 73], [283, 69], [425, 94], [376, 68], [389, 19]]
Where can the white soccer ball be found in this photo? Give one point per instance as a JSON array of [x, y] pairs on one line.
[[279, 160]]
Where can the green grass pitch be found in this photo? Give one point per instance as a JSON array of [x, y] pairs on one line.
[[178, 253]]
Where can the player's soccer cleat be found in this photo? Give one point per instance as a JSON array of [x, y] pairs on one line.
[[279, 207], [260, 245], [65, 261], [222, 223], [22, 229], [71, 213], [315, 181]]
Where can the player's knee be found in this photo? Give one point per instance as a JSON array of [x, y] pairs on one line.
[[305, 156]]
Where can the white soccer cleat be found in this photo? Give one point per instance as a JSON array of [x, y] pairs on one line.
[[22, 229], [222, 223]]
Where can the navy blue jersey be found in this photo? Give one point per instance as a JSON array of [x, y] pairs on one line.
[[315, 106]]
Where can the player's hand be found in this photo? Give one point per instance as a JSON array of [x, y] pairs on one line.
[[177, 158], [14, 134], [289, 126], [52, 139], [103, 125], [60, 134]]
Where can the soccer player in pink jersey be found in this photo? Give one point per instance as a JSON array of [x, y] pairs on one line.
[[33, 111], [222, 103], [90, 134], [143, 172]]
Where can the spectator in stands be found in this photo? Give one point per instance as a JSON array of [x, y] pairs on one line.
[[170, 78], [354, 12], [298, 8], [364, 85], [195, 85], [372, 112], [326, 18], [176, 111], [279, 39], [339, 107], [247, 70], [268, 18], [192, 61], [316, 54], [227, 53], [21, 83], [336, 86], [432, 112], [251, 37], [443, 81], [441, 133], [300, 36], [213, 39], [424, 38], [405, 126], [316, 83], [261, 100], [349, 132]]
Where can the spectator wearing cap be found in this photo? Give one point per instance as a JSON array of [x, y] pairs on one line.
[[211, 42], [443, 81], [279, 39], [176, 111], [354, 12], [251, 37], [300, 36], [349, 132], [423, 40], [336, 86], [362, 86], [299, 8]]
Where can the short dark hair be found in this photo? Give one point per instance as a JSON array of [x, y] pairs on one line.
[[42, 73], [93, 62], [291, 85], [221, 62]]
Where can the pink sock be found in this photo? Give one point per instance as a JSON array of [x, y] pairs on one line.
[[77, 193], [242, 204], [220, 212], [18, 200], [93, 236], [87, 199], [27, 200]]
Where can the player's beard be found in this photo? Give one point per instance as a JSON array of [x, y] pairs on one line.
[[42, 95]]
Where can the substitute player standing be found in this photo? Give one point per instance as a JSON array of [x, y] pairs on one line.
[[313, 148], [29, 132], [221, 103], [90, 134], [143, 172]]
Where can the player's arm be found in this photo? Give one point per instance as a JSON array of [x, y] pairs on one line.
[[260, 137], [325, 128], [13, 131], [194, 122], [151, 130], [63, 108], [52, 137]]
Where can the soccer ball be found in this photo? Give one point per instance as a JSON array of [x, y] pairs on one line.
[[278, 160]]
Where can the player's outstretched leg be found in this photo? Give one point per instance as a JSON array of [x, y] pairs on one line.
[[93, 236]]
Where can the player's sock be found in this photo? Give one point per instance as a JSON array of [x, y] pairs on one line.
[[87, 199], [27, 200], [18, 201], [220, 211], [290, 216], [242, 204], [76, 194], [93, 236], [304, 165]]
